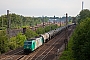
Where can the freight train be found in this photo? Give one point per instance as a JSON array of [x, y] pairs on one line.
[[33, 43]]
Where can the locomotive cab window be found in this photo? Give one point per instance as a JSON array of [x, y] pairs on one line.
[[29, 42]]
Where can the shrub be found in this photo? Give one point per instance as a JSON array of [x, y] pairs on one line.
[[3, 41], [40, 30], [20, 39], [30, 34], [12, 43]]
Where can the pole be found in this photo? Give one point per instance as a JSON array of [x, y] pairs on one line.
[[21, 22], [66, 34], [2, 21], [54, 19], [82, 5], [49, 22], [66, 20], [43, 20], [8, 23], [60, 21]]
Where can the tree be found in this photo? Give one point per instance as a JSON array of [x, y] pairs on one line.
[[81, 41], [47, 28], [74, 20], [18, 21], [30, 34], [84, 14], [40, 30]]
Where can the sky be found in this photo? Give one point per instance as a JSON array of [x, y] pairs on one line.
[[43, 7]]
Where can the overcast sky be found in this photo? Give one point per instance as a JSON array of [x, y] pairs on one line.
[[43, 7]]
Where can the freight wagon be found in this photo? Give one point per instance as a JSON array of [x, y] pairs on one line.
[[45, 37]]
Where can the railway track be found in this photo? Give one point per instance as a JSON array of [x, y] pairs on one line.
[[51, 51], [44, 52], [11, 54], [48, 51], [45, 46]]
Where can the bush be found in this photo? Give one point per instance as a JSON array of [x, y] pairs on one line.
[[30, 34], [12, 43], [53, 27], [20, 39], [47, 28], [3, 41], [40, 30]]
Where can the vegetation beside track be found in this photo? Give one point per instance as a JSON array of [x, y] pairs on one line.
[[67, 54], [12, 43], [79, 43]]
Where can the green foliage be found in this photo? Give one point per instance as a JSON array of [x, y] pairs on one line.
[[17, 21], [80, 45], [17, 41], [3, 41], [54, 27], [12, 43], [30, 34], [73, 19], [81, 41], [20, 39], [51, 27], [40, 30], [47, 28], [83, 15]]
